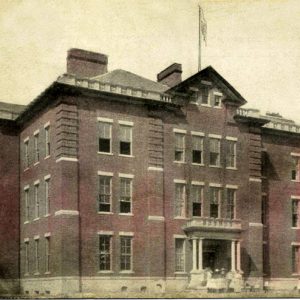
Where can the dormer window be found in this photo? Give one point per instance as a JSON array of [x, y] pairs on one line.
[[217, 99]]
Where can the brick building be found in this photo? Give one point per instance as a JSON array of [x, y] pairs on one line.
[[113, 182]]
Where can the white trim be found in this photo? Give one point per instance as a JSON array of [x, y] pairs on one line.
[[155, 169], [156, 218], [47, 124], [36, 237], [36, 132], [105, 232], [231, 168], [215, 184], [125, 155], [105, 213], [37, 182], [126, 233], [123, 175], [264, 194], [26, 187], [215, 136], [231, 138], [126, 214], [179, 236], [46, 157], [105, 120], [197, 133], [295, 243], [177, 130], [47, 234], [197, 182], [217, 93], [66, 212], [256, 224], [106, 153], [253, 179], [63, 158], [294, 197], [205, 82], [232, 186], [102, 173], [295, 154], [47, 177], [127, 123], [26, 139], [179, 181], [26, 240]]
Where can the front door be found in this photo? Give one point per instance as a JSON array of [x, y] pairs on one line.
[[209, 260]]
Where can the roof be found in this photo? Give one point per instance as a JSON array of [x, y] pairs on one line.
[[211, 74], [128, 79], [10, 111]]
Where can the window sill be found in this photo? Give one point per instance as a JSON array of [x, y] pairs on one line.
[[36, 219], [36, 274], [47, 215], [205, 105], [36, 163], [179, 162], [196, 164], [127, 272], [48, 156], [213, 166], [125, 155], [217, 107], [105, 272], [26, 169], [47, 273], [295, 274], [295, 180], [105, 213], [125, 214], [26, 222], [26, 274], [180, 273], [180, 218], [295, 228], [231, 168], [105, 153]]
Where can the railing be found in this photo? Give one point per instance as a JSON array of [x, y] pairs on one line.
[[206, 222], [116, 89], [254, 113]]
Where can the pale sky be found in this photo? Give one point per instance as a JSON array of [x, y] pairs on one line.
[[254, 44]]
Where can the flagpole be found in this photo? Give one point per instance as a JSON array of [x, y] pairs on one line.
[[199, 46]]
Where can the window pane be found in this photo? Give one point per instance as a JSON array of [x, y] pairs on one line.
[[104, 197], [179, 147], [125, 259], [104, 252], [125, 195], [179, 200], [179, 255], [104, 130], [214, 157], [230, 204], [214, 202], [231, 154]]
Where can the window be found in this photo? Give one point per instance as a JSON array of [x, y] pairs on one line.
[[47, 138], [197, 144], [26, 154], [126, 253], [214, 154], [295, 213], [205, 96], [296, 259], [214, 193], [105, 137], [179, 147], [47, 199], [36, 148], [295, 168], [230, 203], [180, 203], [179, 255], [125, 195], [47, 254], [26, 258], [104, 252], [104, 194], [217, 100], [37, 258], [196, 195], [125, 139], [231, 154], [36, 201], [27, 207], [264, 210]]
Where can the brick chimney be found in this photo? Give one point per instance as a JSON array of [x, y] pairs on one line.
[[170, 76], [86, 63]]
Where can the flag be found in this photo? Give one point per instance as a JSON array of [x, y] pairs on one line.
[[203, 25]]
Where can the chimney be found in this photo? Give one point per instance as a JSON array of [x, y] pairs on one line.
[[86, 63], [170, 76]]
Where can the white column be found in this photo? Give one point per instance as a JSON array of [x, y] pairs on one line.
[[194, 254], [200, 253], [238, 255], [233, 255]]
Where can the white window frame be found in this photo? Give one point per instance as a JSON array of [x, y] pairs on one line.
[[199, 135], [217, 94], [218, 139], [130, 179], [232, 156], [36, 200], [107, 176], [183, 254], [129, 125], [179, 133], [109, 122], [36, 147], [199, 185], [219, 200], [296, 199], [234, 190], [182, 200], [129, 237]]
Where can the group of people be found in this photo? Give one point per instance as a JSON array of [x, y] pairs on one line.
[[221, 281]]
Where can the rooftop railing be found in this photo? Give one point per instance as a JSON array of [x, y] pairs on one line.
[[112, 88]]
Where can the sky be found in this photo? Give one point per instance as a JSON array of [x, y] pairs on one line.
[[253, 44]]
